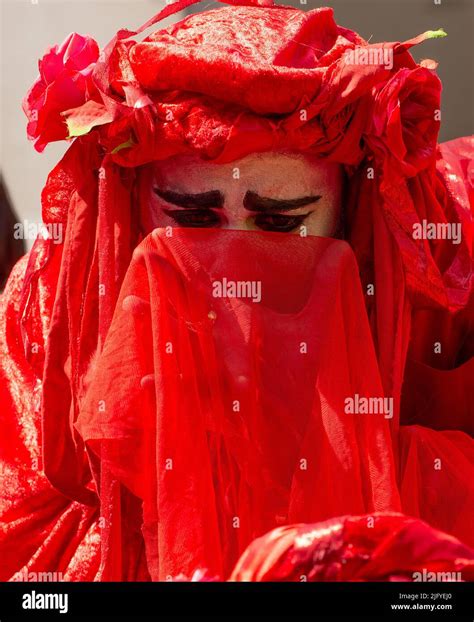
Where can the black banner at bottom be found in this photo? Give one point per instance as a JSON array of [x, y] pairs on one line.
[[404, 601]]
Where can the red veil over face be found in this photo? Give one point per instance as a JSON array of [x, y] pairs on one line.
[[219, 397], [192, 423]]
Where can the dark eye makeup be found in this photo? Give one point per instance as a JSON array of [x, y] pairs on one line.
[[280, 222], [199, 210], [194, 217], [208, 218]]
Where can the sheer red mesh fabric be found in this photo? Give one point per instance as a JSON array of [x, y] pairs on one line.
[[235, 405]]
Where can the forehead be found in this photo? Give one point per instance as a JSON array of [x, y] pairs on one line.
[[270, 170]]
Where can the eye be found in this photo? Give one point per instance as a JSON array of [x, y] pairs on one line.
[[194, 217], [279, 222]]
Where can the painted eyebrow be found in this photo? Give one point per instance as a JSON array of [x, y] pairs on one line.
[[255, 203], [206, 200]]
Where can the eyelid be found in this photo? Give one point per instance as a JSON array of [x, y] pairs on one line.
[[181, 215], [192, 211], [261, 220], [261, 215]]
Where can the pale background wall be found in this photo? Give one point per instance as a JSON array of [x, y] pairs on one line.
[[27, 29]]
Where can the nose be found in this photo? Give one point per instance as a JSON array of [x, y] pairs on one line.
[[238, 224], [237, 218]]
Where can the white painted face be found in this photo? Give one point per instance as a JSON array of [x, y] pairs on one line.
[[270, 191]]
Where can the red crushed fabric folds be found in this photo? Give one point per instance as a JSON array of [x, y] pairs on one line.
[[383, 547]]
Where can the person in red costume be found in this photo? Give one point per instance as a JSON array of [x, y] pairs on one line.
[[249, 358]]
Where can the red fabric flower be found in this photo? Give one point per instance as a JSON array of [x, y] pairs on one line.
[[64, 82], [405, 121]]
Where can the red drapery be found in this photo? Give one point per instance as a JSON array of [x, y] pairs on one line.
[[59, 303]]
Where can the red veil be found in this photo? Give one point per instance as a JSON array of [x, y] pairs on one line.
[[231, 405], [96, 406]]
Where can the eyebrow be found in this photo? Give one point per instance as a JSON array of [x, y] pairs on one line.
[[213, 199], [256, 203]]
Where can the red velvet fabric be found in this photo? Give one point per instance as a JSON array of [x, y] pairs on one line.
[[76, 498]]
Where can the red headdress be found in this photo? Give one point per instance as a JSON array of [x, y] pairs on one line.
[[223, 84]]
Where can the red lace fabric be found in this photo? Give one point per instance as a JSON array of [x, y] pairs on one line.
[[84, 490]]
